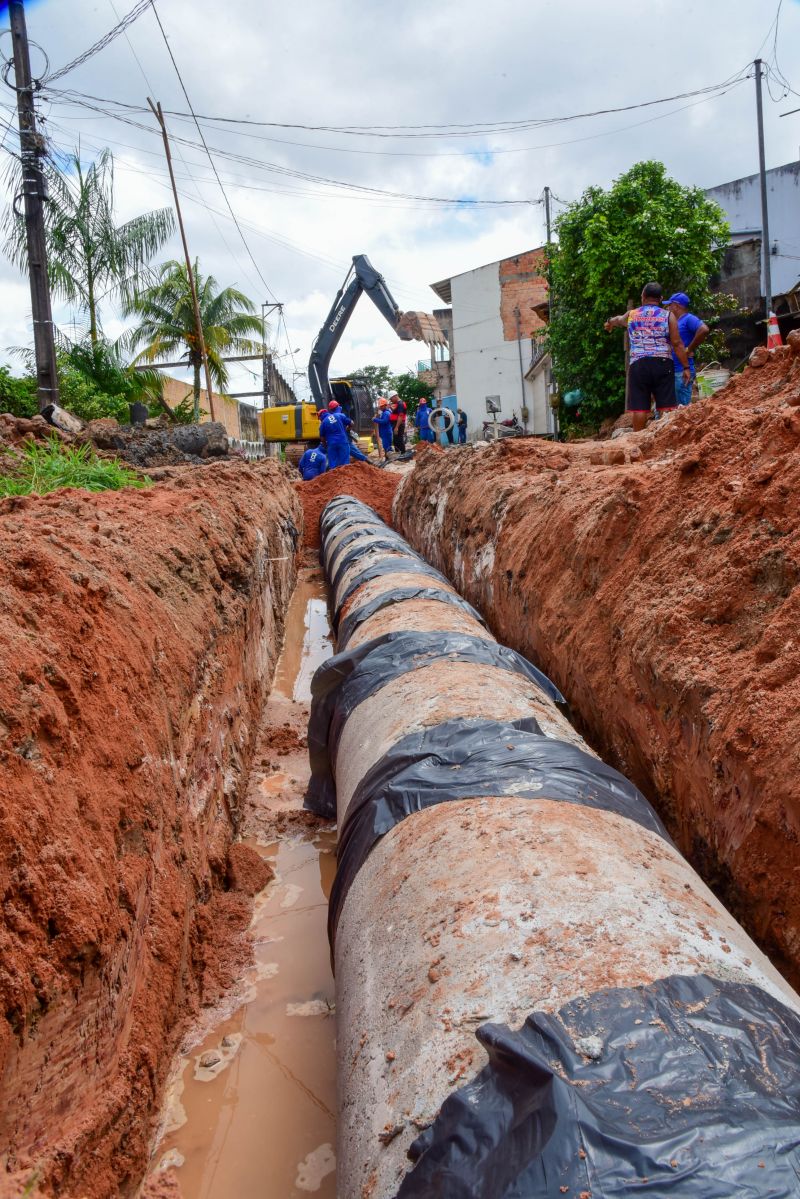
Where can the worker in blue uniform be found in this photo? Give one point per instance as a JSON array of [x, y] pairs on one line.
[[313, 462], [383, 419], [333, 435], [422, 419]]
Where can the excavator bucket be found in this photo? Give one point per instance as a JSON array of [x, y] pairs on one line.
[[421, 326]]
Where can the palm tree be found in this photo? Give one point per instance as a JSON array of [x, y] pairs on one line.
[[167, 325], [89, 257]]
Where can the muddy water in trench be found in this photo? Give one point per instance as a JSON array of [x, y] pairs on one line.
[[260, 1120]]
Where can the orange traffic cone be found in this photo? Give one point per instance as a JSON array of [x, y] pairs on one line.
[[773, 333]]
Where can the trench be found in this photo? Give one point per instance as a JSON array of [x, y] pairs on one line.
[[250, 1107]]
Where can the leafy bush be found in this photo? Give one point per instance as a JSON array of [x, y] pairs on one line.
[[42, 468], [645, 227], [93, 382], [17, 396], [411, 390]]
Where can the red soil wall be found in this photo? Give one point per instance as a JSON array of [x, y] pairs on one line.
[[655, 579], [138, 632]]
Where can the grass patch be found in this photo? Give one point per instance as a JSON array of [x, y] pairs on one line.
[[48, 466]]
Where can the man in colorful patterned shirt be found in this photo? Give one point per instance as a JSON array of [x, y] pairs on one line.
[[653, 337]]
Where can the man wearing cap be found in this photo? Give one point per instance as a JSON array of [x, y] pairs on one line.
[[693, 333], [333, 435], [653, 338], [383, 419], [422, 420], [398, 411]]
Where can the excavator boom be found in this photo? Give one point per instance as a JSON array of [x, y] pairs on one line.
[[362, 277]]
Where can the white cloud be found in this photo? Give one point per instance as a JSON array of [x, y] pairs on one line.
[[362, 63]]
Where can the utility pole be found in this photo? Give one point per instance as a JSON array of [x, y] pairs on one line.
[[765, 243], [264, 358], [547, 212], [201, 341], [34, 192]]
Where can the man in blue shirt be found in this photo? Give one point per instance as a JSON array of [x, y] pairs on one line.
[[352, 441], [312, 463], [422, 419], [693, 333], [333, 435]]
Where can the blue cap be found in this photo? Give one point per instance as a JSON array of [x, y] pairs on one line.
[[681, 298]]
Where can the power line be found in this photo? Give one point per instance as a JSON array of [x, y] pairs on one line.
[[208, 152], [104, 41], [451, 130], [178, 147], [278, 168]]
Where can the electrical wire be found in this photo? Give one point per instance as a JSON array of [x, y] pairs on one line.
[[277, 168], [104, 41], [208, 153], [448, 130], [179, 148]]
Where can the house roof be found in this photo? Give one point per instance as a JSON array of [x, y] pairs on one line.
[[443, 291]]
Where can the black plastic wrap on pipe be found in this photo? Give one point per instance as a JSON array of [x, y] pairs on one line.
[[465, 760], [692, 1089], [346, 680], [686, 1087]]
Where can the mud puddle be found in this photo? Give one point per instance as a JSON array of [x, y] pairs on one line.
[[251, 1108]]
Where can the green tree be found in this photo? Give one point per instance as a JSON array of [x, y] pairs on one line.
[[167, 326], [412, 389], [93, 379], [102, 365], [90, 258], [610, 243], [379, 378], [18, 396]]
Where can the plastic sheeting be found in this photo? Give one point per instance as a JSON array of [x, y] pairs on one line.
[[362, 551], [352, 508], [386, 566], [685, 1089], [356, 616], [466, 759], [346, 680]]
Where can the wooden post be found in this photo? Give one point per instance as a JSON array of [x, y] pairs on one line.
[[159, 115]]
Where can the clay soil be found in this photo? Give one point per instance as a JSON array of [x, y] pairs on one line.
[[655, 578], [375, 487], [138, 631]]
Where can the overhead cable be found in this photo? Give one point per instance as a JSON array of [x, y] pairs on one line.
[[208, 153], [104, 41], [446, 130]]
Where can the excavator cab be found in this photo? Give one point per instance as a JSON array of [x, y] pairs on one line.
[[355, 398]]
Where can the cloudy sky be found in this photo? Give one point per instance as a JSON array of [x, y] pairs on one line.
[[355, 65]]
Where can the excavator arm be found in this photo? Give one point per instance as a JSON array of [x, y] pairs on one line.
[[362, 277]]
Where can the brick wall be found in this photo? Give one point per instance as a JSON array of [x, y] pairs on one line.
[[521, 287]]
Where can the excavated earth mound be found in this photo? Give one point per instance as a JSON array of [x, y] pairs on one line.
[[375, 487], [655, 578], [138, 631]]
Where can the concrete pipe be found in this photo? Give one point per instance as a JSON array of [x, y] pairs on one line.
[[536, 994]]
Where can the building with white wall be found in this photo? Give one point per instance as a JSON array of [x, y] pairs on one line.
[[499, 311], [740, 200]]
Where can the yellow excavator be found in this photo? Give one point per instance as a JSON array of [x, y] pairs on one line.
[[298, 422]]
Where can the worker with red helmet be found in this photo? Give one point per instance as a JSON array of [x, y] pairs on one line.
[[333, 435], [383, 420]]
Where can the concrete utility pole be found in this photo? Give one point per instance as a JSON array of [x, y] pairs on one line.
[[34, 192], [765, 244], [547, 212], [265, 357], [201, 341]]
